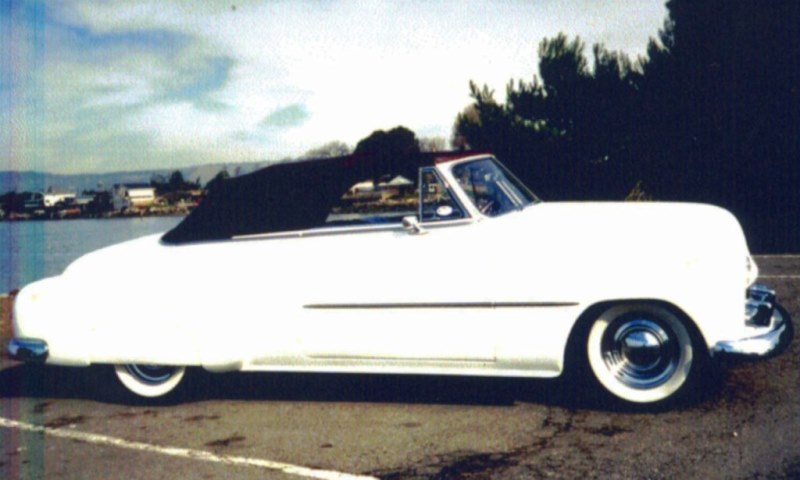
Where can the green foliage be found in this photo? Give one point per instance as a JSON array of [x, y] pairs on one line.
[[432, 144], [329, 150], [398, 150], [712, 114], [637, 194], [566, 126], [217, 180], [175, 183]]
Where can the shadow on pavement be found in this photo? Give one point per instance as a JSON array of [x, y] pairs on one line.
[[98, 383]]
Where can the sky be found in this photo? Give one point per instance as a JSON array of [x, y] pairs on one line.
[[100, 86]]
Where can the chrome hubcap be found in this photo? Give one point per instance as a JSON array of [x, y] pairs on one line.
[[151, 374], [640, 353]]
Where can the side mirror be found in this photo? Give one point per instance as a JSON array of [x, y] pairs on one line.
[[412, 226]]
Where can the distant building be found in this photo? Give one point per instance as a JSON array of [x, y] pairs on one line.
[[133, 195], [32, 201], [366, 186], [52, 198], [398, 186]]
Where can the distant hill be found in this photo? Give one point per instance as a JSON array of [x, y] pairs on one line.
[[40, 181]]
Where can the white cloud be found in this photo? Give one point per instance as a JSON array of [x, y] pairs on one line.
[[352, 67], [119, 89]]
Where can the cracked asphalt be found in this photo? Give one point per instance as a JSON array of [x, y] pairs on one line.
[[744, 424]]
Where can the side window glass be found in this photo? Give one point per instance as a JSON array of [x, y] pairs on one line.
[[437, 201], [486, 186], [375, 201]]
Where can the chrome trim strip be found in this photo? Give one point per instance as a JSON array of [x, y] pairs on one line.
[[319, 232], [429, 225], [375, 306]]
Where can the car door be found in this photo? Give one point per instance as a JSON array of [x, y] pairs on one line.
[[400, 296]]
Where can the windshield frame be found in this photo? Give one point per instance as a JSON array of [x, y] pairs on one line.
[[519, 195]]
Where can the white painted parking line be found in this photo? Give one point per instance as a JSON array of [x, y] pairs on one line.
[[189, 453]]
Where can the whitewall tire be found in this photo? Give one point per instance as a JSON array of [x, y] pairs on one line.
[[149, 380], [641, 353]]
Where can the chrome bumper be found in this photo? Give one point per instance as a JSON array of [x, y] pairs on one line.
[[771, 325], [28, 350]]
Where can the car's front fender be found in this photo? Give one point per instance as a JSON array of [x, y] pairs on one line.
[[45, 311]]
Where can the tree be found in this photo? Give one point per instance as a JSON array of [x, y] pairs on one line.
[[328, 150], [218, 179], [432, 144], [712, 114], [175, 183], [731, 129], [397, 150], [564, 126]]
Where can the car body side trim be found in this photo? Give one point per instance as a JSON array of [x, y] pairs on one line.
[[323, 231], [371, 306]]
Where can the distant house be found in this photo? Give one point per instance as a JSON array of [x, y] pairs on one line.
[[359, 188], [132, 195], [52, 198], [32, 201], [397, 186]]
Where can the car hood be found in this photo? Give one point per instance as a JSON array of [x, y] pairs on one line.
[[638, 217], [632, 231]]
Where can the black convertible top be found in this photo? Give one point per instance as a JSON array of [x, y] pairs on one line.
[[287, 196]]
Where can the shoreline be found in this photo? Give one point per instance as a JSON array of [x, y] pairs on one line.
[[107, 216], [42, 248], [5, 321]]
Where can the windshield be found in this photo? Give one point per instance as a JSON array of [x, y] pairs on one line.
[[491, 188]]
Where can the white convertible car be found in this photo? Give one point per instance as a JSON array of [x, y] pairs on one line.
[[440, 264]]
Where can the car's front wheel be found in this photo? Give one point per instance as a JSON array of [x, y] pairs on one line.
[[643, 353], [149, 380]]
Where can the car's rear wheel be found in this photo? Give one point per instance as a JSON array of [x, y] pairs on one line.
[[149, 380], [642, 353]]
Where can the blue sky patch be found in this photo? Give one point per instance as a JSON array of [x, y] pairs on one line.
[[287, 117]]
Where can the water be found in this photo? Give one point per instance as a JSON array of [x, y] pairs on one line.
[[32, 250]]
